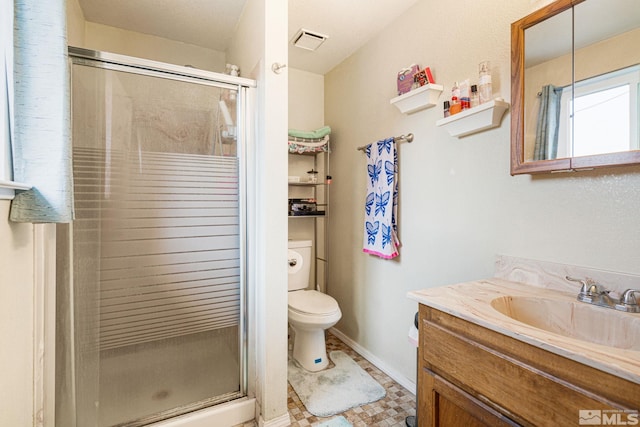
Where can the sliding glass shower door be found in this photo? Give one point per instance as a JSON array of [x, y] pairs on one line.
[[150, 274]]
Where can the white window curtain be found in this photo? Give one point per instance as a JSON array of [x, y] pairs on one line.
[[41, 145]]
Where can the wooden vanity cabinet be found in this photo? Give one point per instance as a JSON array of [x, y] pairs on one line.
[[472, 376]]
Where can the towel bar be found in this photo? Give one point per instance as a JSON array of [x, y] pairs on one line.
[[402, 138]]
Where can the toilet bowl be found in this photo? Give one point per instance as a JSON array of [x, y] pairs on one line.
[[310, 312]]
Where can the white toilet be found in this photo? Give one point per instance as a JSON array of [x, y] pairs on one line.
[[310, 312]]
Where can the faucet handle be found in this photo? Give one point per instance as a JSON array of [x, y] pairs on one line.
[[628, 297], [583, 282], [628, 301], [589, 286]]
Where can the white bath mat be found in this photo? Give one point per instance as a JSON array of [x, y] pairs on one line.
[[336, 422], [334, 390]]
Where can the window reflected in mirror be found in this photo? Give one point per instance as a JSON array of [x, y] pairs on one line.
[[605, 113]]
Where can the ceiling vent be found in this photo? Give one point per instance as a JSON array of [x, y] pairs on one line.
[[308, 40]]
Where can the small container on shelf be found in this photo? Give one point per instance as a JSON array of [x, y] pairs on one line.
[[484, 85], [455, 106], [465, 96], [446, 106], [475, 99]]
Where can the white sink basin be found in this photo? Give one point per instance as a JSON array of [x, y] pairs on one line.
[[574, 319]]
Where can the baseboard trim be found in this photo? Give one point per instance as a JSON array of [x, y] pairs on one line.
[[395, 375], [281, 421]]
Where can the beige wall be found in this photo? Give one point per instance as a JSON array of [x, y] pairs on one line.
[[306, 100], [90, 35], [247, 46], [306, 112], [115, 40], [75, 24], [16, 320], [459, 206]]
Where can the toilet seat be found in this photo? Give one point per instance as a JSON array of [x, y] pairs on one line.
[[312, 302]]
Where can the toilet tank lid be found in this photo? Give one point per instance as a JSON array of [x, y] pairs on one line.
[[299, 244]]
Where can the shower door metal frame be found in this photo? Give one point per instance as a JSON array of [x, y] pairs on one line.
[[122, 63]]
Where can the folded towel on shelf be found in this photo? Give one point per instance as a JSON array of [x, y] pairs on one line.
[[314, 134], [381, 203], [307, 145], [309, 142]]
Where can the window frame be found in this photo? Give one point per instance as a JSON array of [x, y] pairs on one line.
[[626, 76]]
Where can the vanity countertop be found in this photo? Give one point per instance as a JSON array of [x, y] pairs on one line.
[[471, 301]]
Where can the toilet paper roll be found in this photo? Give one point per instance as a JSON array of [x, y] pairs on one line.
[[295, 261]]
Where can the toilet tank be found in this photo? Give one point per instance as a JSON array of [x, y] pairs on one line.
[[299, 260]]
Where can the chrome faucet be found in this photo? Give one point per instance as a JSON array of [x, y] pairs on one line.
[[592, 292]]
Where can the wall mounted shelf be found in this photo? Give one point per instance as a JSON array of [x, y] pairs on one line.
[[476, 119], [418, 99]]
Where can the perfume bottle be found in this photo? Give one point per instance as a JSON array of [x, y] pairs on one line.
[[484, 86], [475, 98]]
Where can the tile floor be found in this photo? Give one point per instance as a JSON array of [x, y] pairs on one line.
[[389, 411]]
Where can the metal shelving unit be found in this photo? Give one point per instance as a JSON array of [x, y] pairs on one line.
[[318, 224]]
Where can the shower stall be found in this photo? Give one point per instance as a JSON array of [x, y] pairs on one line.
[[151, 292]]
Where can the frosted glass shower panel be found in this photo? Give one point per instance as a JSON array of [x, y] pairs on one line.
[[156, 246]]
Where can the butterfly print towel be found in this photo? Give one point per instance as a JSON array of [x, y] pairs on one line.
[[381, 202]]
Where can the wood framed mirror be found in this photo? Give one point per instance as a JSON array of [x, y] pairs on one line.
[[575, 87]]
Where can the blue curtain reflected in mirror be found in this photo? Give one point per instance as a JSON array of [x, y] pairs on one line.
[[548, 123]]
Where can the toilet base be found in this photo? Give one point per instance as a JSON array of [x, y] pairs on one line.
[[309, 349]]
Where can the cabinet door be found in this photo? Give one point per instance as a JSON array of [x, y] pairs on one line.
[[442, 404]]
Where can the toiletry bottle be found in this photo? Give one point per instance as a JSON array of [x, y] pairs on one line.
[[447, 104], [465, 99], [455, 106], [475, 99], [484, 86]]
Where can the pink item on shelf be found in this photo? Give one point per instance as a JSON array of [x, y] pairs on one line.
[[405, 78]]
